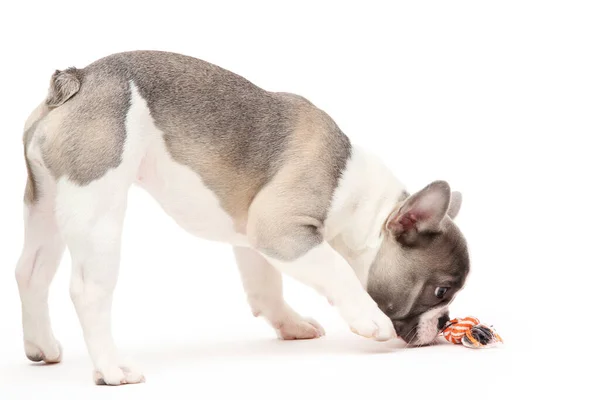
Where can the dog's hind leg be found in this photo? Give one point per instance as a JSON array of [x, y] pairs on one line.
[[90, 216], [91, 219], [42, 251], [263, 286]]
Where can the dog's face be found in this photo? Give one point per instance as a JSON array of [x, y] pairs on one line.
[[422, 263]]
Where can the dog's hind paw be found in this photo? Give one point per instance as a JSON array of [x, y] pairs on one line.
[[118, 375], [50, 353]]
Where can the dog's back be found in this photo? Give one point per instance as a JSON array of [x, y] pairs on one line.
[[233, 134]]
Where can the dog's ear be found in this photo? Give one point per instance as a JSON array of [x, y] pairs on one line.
[[423, 211], [455, 203]]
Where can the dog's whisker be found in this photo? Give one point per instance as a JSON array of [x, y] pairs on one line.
[[413, 338]]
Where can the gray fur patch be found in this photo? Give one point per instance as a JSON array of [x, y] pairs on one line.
[[240, 139], [88, 132]]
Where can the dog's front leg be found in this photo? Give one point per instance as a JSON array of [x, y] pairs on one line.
[[263, 286], [322, 268], [326, 271]]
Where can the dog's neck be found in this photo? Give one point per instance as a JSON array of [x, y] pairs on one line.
[[366, 195]]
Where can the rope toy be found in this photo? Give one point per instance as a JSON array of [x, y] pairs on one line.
[[470, 333]]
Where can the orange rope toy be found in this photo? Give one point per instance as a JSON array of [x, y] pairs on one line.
[[470, 333]]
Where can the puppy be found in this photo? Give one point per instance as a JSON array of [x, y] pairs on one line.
[[268, 173]]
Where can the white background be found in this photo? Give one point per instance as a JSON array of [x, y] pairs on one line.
[[501, 99]]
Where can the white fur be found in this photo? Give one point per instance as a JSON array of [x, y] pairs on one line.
[[40, 257], [42, 251], [427, 329], [365, 197]]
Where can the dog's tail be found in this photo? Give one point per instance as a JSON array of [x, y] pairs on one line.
[[63, 85]]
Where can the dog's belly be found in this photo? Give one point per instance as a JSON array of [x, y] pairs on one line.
[[177, 188]]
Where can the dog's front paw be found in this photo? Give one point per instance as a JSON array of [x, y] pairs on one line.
[[375, 325], [114, 375], [50, 353], [298, 328]]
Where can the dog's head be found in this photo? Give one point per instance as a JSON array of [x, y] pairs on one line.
[[421, 264]]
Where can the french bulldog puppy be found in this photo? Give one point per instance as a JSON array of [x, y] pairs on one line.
[[268, 173]]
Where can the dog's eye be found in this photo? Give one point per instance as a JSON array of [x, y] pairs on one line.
[[440, 292]]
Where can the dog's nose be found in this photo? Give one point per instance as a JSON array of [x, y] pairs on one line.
[[405, 332], [442, 321], [398, 329]]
